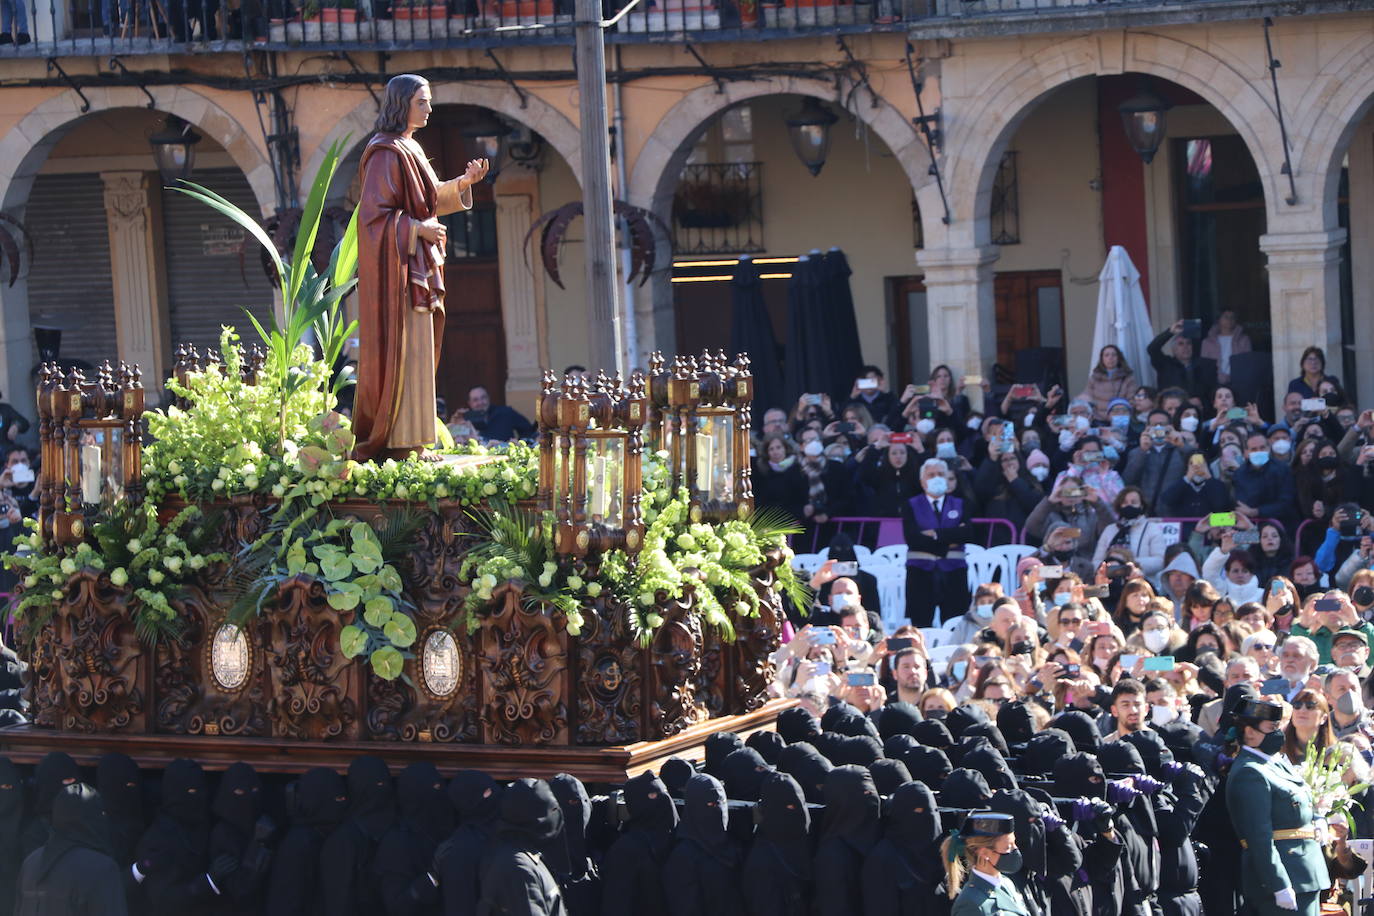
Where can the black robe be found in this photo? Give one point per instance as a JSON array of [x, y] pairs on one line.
[[632, 872], [513, 877], [316, 804], [849, 830], [904, 874], [121, 789], [569, 858], [782, 850], [54, 771], [406, 855], [703, 870], [11, 823], [237, 810], [73, 874], [349, 852], [1080, 774], [457, 862], [173, 853], [805, 764]]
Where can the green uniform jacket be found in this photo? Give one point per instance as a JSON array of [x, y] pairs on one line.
[[1267, 796], [979, 898], [1323, 638]]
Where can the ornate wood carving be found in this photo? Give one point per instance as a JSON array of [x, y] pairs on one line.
[[314, 688], [610, 681], [189, 699], [675, 666], [405, 710], [525, 676], [757, 638], [431, 575], [89, 671]]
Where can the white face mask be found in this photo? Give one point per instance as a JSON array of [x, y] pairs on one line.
[[925, 425], [842, 600], [1040, 472], [1081, 422], [974, 424], [1163, 715], [1155, 640], [983, 611], [944, 450], [1065, 440], [1029, 420], [1188, 424], [937, 486], [814, 449], [1281, 446], [1062, 598]]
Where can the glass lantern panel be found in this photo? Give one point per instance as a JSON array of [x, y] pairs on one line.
[[715, 470], [606, 481]]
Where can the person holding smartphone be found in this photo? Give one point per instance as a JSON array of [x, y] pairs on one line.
[[1177, 365]]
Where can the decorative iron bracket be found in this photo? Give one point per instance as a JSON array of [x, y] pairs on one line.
[[117, 64], [720, 83], [71, 83], [509, 80], [1273, 65], [928, 126], [367, 80]]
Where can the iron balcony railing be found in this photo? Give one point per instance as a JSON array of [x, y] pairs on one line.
[[60, 28]]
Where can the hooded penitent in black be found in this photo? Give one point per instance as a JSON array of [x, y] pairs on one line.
[[742, 773], [962, 716], [925, 764], [797, 724], [1080, 775], [781, 850], [986, 760], [904, 873], [768, 744], [477, 799], [73, 874], [1177, 810], [806, 765], [889, 775], [241, 833], [965, 789], [513, 876], [1016, 723], [898, 719], [174, 851], [1120, 758], [11, 823], [849, 829], [718, 747], [317, 803], [932, 733], [121, 790], [1043, 750], [1081, 728], [569, 856], [702, 875], [54, 771], [675, 772], [350, 850], [406, 854], [632, 872]]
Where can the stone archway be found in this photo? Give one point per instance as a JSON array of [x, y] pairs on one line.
[[654, 175], [537, 114], [26, 146], [983, 112]]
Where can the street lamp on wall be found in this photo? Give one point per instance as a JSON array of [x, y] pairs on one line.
[[809, 130], [488, 136], [1144, 117], [174, 150]]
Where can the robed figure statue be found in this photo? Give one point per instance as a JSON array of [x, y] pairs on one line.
[[401, 250]]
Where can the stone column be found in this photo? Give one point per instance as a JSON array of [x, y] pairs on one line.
[[1304, 299], [522, 288], [134, 218], [960, 310]]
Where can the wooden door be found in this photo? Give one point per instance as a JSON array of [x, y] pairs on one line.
[[474, 350], [909, 344], [1030, 313]]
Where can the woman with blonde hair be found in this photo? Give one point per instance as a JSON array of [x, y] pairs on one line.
[[986, 846], [936, 703]]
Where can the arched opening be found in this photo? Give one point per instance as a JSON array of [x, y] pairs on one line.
[[1062, 185], [123, 267], [735, 185]]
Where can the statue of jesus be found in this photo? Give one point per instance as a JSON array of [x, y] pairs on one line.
[[401, 246]]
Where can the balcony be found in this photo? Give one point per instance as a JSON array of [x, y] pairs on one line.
[[133, 27]]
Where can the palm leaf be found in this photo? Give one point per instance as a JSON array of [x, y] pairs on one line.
[[310, 219], [211, 199]]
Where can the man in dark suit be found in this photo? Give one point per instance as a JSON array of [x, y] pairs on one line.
[[1178, 366], [496, 423], [937, 527], [1282, 867]]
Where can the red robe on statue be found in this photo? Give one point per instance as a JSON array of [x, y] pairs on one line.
[[398, 272]]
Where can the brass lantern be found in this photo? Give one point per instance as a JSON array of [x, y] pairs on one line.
[[93, 453], [590, 461], [706, 431]]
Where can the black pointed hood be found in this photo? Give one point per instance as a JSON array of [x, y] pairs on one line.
[[962, 716], [320, 800], [1043, 750], [932, 733], [926, 764], [1154, 753], [898, 719], [964, 789], [889, 775], [1079, 774], [54, 771], [860, 750], [476, 797], [853, 809], [913, 820], [986, 760], [768, 744], [1016, 722], [1080, 728], [576, 806], [784, 822], [650, 810], [371, 795], [1030, 828], [743, 772], [989, 731], [797, 724], [424, 806], [718, 747], [675, 772], [530, 816], [78, 821], [805, 764], [238, 800], [705, 817]]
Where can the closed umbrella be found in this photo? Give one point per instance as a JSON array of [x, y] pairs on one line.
[[807, 359], [751, 332], [846, 355], [1122, 318]]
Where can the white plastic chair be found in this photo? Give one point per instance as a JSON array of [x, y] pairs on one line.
[[934, 636], [983, 566], [808, 563], [1009, 555], [939, 657], [892, 553]]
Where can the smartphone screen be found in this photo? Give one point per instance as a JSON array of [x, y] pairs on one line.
[[1160, 663], [1327, 605], [822, 636], [1128, 661], [897, 643], [1051, 572], [849, 568], [1222, 519], [822, 669], [862, 679]]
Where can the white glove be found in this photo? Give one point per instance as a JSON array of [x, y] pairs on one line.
[[1286, 899]]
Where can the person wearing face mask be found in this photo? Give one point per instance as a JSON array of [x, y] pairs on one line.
[[1077, 506], [936, 527], [979, 613], [1134, 530], [1062, 547], [1090, 465], [1280, 445], [825, 611], [1158, 462], [1282, 868], [828, 487], [1006, 488], [1158, 633], [1264, 489], [778, 479], [1349, 715], [985, 848]]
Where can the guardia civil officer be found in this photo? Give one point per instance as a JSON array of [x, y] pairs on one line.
[[986, 846], [1282, 867]]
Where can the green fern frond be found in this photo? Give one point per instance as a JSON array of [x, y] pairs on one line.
[[772, 524]]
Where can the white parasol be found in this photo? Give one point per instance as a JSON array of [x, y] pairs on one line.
[[1122, 318]]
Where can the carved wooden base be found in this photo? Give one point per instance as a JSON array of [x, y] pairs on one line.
[[27, 744]]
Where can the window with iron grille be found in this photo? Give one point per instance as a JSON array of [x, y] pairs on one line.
[[471, 233], [718, 209], [1006, 206]]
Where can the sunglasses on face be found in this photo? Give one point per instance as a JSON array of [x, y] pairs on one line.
[[1265, 646], [1306, 704], [1070, 621]]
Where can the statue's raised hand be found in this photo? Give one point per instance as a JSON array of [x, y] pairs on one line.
[[476, 170]]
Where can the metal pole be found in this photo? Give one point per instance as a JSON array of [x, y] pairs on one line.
[[605, 334], [631, 329]]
